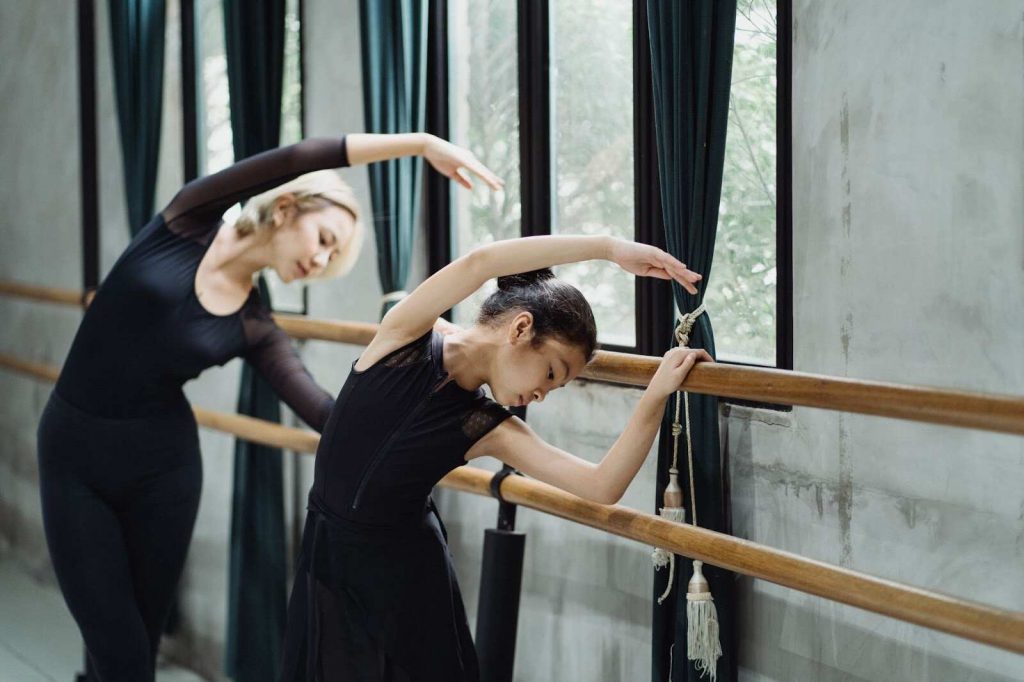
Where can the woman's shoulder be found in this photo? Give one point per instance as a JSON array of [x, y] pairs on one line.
[[389, 352]]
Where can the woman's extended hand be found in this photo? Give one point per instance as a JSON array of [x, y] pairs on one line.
[[649, 261], [674, 367], [456, 163]]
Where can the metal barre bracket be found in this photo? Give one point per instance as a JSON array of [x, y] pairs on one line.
[[497, 480]]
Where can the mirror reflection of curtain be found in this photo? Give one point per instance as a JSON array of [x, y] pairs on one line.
[[394, 51], [257, 585], [691, 61]]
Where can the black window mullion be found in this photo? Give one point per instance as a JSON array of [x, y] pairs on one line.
[[189, 117], [301, 10], [88, 144], [302, 69], [784, 188], [438, 210], [535, 117]]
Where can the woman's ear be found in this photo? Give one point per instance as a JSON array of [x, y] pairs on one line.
[[284, 208], [520, 329]]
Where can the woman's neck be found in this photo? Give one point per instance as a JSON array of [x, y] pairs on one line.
[[468, 355], [239, 258]]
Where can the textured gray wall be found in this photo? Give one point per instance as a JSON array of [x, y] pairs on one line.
[[909, 253], [908, 140], [40, 195]]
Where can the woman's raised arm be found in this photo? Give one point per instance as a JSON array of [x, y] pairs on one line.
[[446, 158], [416, 313]]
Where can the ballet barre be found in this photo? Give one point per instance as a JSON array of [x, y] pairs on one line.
[[967, 409], [967, 619], [971, 620]]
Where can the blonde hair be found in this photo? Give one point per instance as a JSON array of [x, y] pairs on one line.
[[311, 192]]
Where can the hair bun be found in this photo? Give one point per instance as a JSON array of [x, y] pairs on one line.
[[525, 279]]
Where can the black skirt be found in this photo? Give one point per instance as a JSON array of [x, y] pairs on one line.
[[377, 604]]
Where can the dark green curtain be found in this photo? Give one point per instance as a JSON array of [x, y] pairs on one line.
[[137, 41], [691, 61], [394, 50], [254, 33]]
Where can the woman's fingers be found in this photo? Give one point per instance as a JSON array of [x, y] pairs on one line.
[[658, 274], [485, 174], [685, 283], [459, 176], [690, 356], [686, 278]]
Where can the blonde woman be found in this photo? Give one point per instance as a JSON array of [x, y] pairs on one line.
[[119, 465]]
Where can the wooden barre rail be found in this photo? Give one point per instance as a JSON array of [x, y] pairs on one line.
[[38, 293], [967, 619], [1002, 413]]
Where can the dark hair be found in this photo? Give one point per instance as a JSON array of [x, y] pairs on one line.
[[558, 308]]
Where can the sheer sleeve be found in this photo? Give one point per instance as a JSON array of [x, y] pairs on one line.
[[271, 352], [482, 418], [197, 208]]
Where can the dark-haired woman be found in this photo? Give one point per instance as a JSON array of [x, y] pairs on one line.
[[375, 596], [119, 466]]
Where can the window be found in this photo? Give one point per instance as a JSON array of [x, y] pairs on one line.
[[215, 102], [215, 143], [744, 282], [291, 88], [484, 111], [215, 139], [573, 138], [593, 143]]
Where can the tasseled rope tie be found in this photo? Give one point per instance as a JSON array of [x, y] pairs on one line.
[[673, 494], [702, 637]]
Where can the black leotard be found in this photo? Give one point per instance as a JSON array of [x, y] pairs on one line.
[[146, 333], [375, 595], [119, 466]]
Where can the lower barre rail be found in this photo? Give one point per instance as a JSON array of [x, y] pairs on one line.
[[970, 620]]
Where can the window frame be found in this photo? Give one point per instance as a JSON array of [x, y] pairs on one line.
[[192, 145], [653, 325]]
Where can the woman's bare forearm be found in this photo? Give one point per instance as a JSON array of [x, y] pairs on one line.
[[534, 253], [458, 280], [368, 148], [624, 459]]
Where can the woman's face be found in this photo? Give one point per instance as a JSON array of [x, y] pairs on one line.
[[303, 243], [524, 372]]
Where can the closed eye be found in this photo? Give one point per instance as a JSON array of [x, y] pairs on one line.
[[327, 238]]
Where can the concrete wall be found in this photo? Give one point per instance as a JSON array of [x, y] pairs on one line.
[[908, 140], [40, 195], [908, 133]]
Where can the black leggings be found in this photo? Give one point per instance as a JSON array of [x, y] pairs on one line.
[[119, 502]]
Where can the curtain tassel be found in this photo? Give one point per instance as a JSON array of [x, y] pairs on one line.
[[702, 640], [673, 510]]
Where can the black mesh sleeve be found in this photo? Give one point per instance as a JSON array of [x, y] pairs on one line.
[[271, 352], [482, 418], [198, 206]]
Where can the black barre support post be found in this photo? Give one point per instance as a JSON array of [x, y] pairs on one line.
[[501, 579]]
